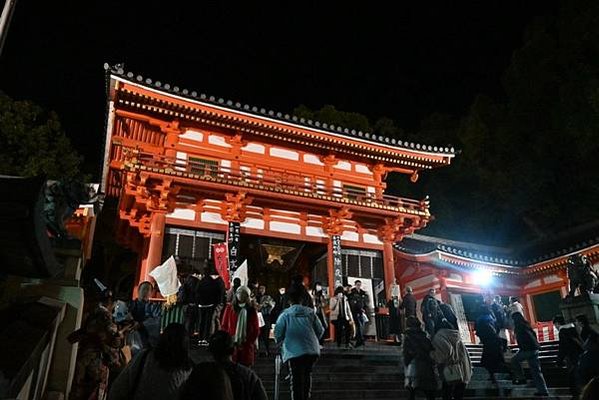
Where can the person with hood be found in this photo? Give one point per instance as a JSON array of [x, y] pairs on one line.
[[299, 330], [240, 320], [452, 356], [157, 373], [528, 351], [492, 358], [419, 366]]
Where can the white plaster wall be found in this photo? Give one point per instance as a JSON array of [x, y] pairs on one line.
[[212, 217], [254, 223], [284, 153], [315, 231], [285, 227], [183, 213], [218, 141], [352, 236], [363, 169], [344, 165], [370, 238], [254, 148], [312, 159], [193, 135]]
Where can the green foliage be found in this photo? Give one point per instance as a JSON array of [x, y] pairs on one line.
[[32, 142]]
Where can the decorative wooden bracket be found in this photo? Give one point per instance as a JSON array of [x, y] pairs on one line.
[[234, 208], [333, 224]]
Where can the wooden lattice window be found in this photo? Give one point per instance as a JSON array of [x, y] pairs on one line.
[[203, 166]]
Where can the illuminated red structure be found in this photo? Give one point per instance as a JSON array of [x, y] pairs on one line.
[[184, 167]]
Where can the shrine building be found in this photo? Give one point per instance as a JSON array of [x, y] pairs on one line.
[[305, 197], [466, 274], [295, 196]]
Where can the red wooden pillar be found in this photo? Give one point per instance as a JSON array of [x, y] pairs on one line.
[[153, 247], [388, 265], [331, 276]]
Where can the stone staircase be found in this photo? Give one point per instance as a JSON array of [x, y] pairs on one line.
[[376, 372]]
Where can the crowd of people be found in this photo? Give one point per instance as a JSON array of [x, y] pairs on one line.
[[143, 350]]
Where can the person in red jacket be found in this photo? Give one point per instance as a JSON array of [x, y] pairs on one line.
[[240, 320]]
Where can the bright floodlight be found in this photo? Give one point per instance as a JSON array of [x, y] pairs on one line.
[[483, 277]]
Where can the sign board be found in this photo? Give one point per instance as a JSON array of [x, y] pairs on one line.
[[337, 264], [233, 237]]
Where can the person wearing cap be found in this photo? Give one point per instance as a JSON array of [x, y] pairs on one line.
[[240, 320]]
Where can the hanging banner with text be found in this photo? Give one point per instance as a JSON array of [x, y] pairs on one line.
[[233, 237], [221, 262], [337, 265]]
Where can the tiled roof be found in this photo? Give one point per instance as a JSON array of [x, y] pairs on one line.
[[118, 70], [517, 257]]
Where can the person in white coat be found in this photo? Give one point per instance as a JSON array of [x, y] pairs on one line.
[[341, 317], [455, 366]]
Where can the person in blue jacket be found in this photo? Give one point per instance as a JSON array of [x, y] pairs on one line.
[[299, 329]]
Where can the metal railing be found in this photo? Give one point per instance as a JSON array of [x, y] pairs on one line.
[[266, 177]]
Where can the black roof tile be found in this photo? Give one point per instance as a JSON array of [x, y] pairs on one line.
[[120, 71]]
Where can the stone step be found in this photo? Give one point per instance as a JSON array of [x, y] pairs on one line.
[[391, 384], [341, 394]]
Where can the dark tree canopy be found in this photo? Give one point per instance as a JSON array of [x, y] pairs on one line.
[[32, 142], [529, 162]]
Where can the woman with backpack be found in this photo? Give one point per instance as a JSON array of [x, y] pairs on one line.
[[453, 359]]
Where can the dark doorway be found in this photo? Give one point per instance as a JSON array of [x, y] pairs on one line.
[[273, 262]]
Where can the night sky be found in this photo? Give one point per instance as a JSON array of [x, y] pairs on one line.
[[404, 63]]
